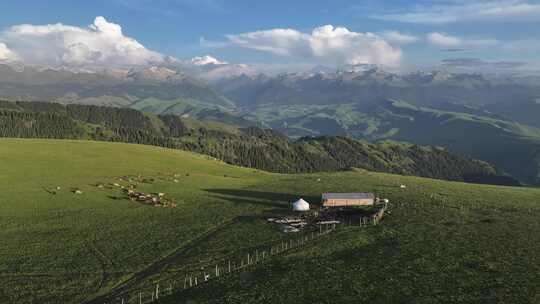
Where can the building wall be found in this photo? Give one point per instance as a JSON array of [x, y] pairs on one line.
[[348, 202]]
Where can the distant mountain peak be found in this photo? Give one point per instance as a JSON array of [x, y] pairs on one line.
[[357, 68], [156, 73], [322, 69]]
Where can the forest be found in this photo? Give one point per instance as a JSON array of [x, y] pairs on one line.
[[252, 147]]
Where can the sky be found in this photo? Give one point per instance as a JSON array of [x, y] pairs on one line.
[[500, 35]]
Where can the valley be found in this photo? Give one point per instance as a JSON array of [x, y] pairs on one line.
[[489, 118], [253, 152], [246, 146]]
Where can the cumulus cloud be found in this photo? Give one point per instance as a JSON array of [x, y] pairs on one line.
[[101, 44], [470, 11], [206, 59], [6, 54], [399, 38], [326, 43], [450, 42]]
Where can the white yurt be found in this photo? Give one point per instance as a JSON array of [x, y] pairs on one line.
[[300, 205]]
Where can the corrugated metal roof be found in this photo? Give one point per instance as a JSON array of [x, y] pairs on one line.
[[327, 196]]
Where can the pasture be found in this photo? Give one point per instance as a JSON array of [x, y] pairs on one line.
[[442, 242]]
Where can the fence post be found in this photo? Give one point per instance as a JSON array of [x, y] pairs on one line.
[[229, 266], [140, 297], [157, 291]]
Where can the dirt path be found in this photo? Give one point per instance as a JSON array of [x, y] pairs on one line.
[[103, 261], [157, 266]]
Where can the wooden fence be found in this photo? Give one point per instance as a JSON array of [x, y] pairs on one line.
[[225, 268]]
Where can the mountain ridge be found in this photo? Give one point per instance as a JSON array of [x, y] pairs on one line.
[[251, 147]]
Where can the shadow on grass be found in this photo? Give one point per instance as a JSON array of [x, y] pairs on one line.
[[277, 201]]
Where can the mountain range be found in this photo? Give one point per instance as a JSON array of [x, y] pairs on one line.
[[490, 117]]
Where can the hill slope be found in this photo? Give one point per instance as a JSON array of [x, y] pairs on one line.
[[510, 146], [250, 147], [443, 241]]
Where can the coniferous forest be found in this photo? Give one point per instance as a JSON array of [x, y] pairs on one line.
[[249, 146]]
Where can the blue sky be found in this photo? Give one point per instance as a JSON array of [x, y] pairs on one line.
[[417, 33]]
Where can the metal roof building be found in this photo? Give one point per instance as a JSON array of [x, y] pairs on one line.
[[347, 199]]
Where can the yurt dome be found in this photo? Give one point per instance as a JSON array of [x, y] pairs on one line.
[[300, 205]]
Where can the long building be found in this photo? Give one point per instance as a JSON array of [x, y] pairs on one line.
[[347, 199]]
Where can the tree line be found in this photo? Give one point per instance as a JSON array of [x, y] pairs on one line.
[[250, 147]]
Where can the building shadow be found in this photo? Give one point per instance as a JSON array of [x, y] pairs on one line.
[[275, 201]]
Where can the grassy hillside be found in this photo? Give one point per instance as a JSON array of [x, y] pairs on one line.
[[246, 146], [191, 108], [510, 146], [442, 242]]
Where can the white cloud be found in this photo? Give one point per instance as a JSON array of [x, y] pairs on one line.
[[471, 11], [206, 59], [326, 43], [399, 38], [102, 44], [444, 40], [6, 54], [283, 42]]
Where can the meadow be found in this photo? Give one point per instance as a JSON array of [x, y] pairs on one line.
[[441, 242]]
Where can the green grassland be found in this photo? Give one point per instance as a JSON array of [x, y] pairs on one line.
[[508, 145], [441, 242]]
